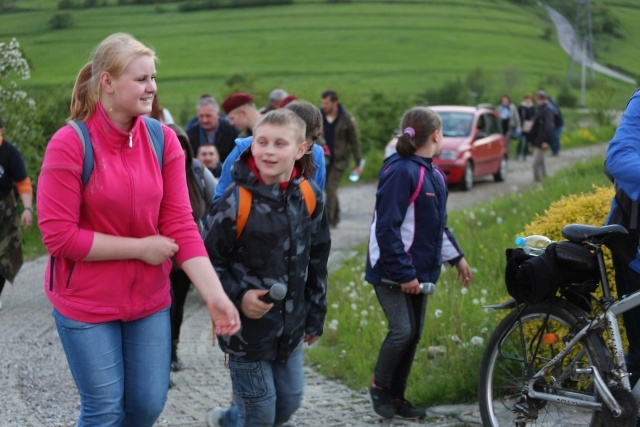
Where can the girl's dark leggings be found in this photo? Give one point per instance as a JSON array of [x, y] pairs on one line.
[[405, 314]]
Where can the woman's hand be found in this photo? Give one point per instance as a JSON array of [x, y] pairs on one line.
[[157, 249], [464, 272], [252, 306], [225, 317], [412, 287]]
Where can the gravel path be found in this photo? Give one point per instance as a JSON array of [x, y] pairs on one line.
[[36, 388]]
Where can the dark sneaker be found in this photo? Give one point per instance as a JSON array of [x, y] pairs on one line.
[[176, 365], [382, 403], [404, 409]]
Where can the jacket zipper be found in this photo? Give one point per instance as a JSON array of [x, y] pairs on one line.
[[70, 273], [130, 140], [51, 264]]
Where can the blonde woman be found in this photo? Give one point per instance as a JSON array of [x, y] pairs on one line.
[[111, 241]]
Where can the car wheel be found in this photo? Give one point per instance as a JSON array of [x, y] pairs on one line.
[[467, 177], [501, 175]]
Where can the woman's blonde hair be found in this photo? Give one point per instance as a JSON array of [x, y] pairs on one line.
[[113, 55]]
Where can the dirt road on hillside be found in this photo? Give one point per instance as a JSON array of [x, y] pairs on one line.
[[36, 388]]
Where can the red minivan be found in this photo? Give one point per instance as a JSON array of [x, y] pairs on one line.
[[472, 145]]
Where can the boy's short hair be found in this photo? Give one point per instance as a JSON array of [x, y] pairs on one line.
[[284, 117], [312, 118], [206, 144]]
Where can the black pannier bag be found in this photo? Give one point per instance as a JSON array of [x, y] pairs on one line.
[[531, 279], [577, 264], [564, 265]]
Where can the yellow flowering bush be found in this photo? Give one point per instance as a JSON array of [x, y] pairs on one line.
[[591, 209]]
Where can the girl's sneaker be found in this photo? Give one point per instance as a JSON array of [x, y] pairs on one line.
[[404, 409], [382, 403]]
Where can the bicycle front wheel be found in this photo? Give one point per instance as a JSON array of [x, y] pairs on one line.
[[518, 349]]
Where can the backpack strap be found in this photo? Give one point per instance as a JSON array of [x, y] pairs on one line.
[[245, 198], [87, 148], [197, 170], [154, 130], [308, 195]]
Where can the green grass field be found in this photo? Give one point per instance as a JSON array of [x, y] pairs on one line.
[[356, 48]]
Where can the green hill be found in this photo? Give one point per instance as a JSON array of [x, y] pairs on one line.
[[399, 48]]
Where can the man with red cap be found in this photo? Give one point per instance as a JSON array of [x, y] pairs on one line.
[[242, 113]]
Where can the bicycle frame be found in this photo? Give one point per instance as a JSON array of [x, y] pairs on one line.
[[609, 317]]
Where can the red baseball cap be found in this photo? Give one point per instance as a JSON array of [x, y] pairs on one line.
[[236, 100]]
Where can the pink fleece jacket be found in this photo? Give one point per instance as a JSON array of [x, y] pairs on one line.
[[126, 195]]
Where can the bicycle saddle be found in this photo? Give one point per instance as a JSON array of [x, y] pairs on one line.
[[579, 233]]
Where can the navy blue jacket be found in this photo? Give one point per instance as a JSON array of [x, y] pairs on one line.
[[409, 238]]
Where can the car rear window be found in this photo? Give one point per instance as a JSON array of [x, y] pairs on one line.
[[456, 124]]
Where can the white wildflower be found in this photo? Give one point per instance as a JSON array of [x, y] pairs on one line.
[[464, 291], [477, 340], [333, 325], [483, 291], [499, 220], [364, 313], [475, 301], [354, 307], [438, 313]]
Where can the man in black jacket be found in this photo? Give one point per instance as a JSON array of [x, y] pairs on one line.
[[210, 129], [541, 134]]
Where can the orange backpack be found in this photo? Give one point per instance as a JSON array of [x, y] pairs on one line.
[[245, 198]]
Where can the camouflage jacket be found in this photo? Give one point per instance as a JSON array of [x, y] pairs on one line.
[[282, 243]]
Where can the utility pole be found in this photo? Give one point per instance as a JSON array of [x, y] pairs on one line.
[[582, 46]]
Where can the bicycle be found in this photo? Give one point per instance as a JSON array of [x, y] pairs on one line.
[[561, 361]]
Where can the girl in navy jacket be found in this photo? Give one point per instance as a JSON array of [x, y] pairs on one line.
[[408, 243]]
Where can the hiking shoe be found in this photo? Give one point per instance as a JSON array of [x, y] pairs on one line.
[[214, 416], [382, 403], [404, 409]]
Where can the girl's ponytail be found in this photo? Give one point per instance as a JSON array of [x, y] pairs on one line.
[[416, 126], [85, 94], [406, 145]]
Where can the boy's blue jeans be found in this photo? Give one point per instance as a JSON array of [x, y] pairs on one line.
[[267, 393], [121, 369]]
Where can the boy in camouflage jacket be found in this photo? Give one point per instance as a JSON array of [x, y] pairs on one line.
[[281, 242]]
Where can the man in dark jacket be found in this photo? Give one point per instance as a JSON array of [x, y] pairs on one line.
[[341, 137], [541, 134], [211, 130]]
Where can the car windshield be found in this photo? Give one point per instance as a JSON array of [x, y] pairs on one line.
[[456, 124]]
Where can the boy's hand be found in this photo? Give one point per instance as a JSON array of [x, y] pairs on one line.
[[252, 307], [310, 339]]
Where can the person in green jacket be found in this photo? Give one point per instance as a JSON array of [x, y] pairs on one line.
[[342, 142]]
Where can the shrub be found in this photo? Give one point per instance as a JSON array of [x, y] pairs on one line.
[[60, 21], [590, 208], [566, 98], [377, 117]]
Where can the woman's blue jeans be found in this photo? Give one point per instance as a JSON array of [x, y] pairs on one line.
[[121, 369], [267, 393]]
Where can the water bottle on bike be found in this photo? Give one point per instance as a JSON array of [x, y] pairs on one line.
[[534, 244]]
